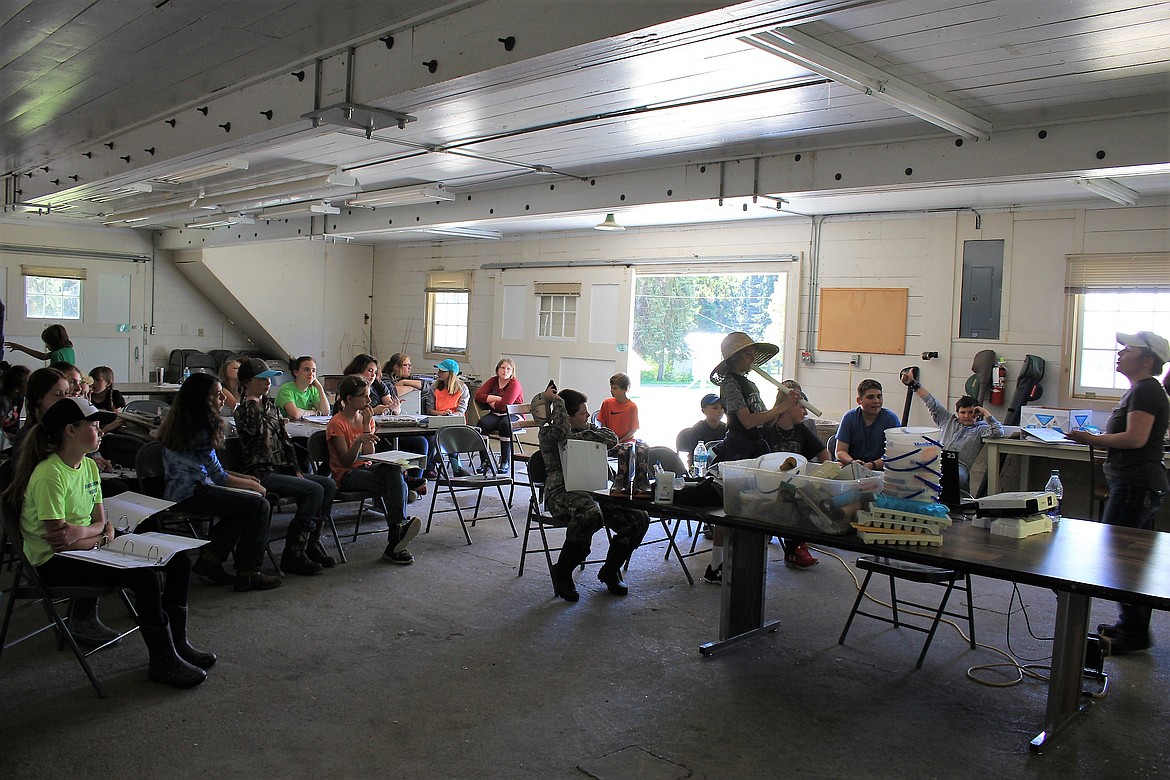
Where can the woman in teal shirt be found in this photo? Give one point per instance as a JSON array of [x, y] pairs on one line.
[[56, 338], [57, 494]]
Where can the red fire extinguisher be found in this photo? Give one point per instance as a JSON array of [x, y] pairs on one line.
[[998, 380]]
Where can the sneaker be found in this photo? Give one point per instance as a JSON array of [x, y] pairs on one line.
[[211, 569], [800, 558], [713, 576], [411, 496], [256, 580], [504, 467], [431, 474], [406, 533], [401, 557]]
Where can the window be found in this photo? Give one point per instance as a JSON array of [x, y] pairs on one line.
[[448, 313], [557, 317], [1113, 294], [52, 294]]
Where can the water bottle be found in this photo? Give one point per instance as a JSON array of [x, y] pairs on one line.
[[186, 373], [1056, 488], [699, 462]]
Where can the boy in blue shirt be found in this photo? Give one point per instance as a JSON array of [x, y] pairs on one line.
[[861, 436]]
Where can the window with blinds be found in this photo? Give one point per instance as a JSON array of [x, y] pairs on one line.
[[1111, 294]]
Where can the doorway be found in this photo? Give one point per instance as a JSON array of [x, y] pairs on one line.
[[678, 324]]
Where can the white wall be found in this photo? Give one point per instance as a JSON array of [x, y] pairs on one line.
[[292, 297], [159, 298], [922, 252]]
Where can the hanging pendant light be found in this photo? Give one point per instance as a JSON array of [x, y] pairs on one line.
[[609, 224]]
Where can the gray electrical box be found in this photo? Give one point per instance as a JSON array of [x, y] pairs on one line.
[[982, 289]]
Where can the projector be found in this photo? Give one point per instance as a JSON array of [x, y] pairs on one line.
[[1020, 504]]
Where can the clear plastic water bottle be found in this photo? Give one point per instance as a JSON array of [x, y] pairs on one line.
[[1056, 488], [699, 461], [186, 373]]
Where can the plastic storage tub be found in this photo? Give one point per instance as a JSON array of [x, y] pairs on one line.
[[784, 497]]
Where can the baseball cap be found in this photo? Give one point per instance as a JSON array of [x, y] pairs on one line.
[[255, 368], [448, 365], [1151, 341], [708, 399], [72, 410]]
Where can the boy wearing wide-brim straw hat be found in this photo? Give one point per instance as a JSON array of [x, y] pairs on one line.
[[747, 416], [746, 413]]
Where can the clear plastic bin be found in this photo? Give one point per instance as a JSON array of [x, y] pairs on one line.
[[784, 497]]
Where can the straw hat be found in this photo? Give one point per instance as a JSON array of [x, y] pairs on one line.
[[737, 342]]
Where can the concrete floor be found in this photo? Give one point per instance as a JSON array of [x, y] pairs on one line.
[[455, 667]]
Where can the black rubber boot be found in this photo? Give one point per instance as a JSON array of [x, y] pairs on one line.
[[177, 616], [166, 666], [572, 555], [293, 560], [611, 571], [315, 551]]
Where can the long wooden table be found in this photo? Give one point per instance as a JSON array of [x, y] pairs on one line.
[[1080, 560], [1030, 448]]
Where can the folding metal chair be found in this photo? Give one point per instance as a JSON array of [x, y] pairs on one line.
[[28, 586], [912, 572], [454, 442], [540, 521]]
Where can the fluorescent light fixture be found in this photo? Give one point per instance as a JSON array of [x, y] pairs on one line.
[[609, 223], [808, 52], [138, 188], [279, 193], [204, 171], [1108, 188], [222, 220], [149, 213], [299, 210], [465, 232], [401, 196]]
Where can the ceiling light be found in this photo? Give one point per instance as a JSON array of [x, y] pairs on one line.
[[465, 232], [171, 209], [808, 52], [203, 171], [299, 210], [278, 193], [1108, 188], [608, 224], [401, 196], [221, 221], [115, 193]]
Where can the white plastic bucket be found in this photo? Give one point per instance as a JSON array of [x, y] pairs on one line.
[[913, 463]]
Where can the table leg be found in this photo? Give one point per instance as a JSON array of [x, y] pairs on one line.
[[1065, 699], [993, 465], [741, 614]]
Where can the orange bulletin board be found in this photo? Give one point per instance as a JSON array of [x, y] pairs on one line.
[[868, 320]]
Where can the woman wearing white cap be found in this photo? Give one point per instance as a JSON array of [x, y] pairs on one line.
[[57, 494], [1134, 469]]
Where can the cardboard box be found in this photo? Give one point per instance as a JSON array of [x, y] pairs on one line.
[[1063, 420], [584, 465]]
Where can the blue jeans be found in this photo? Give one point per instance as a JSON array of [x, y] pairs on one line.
[[381, 479], [312, 492], [1133, 507]]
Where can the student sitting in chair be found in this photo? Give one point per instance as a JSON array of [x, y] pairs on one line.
[[790, 434], [963, 431], [494, 397], [862, 434], [618, 412], [57, 494], [304, 396], [268, 455], [710, 429], [568, 418]]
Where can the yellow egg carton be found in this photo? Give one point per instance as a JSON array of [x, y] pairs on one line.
[[872, 535], [876, 517]]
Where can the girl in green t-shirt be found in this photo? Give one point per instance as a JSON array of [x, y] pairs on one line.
[[56, 493], [59, 349]]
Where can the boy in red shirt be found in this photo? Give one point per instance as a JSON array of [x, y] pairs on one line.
[[619, 413]]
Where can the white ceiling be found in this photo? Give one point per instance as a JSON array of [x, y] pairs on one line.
[[647, 110]]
